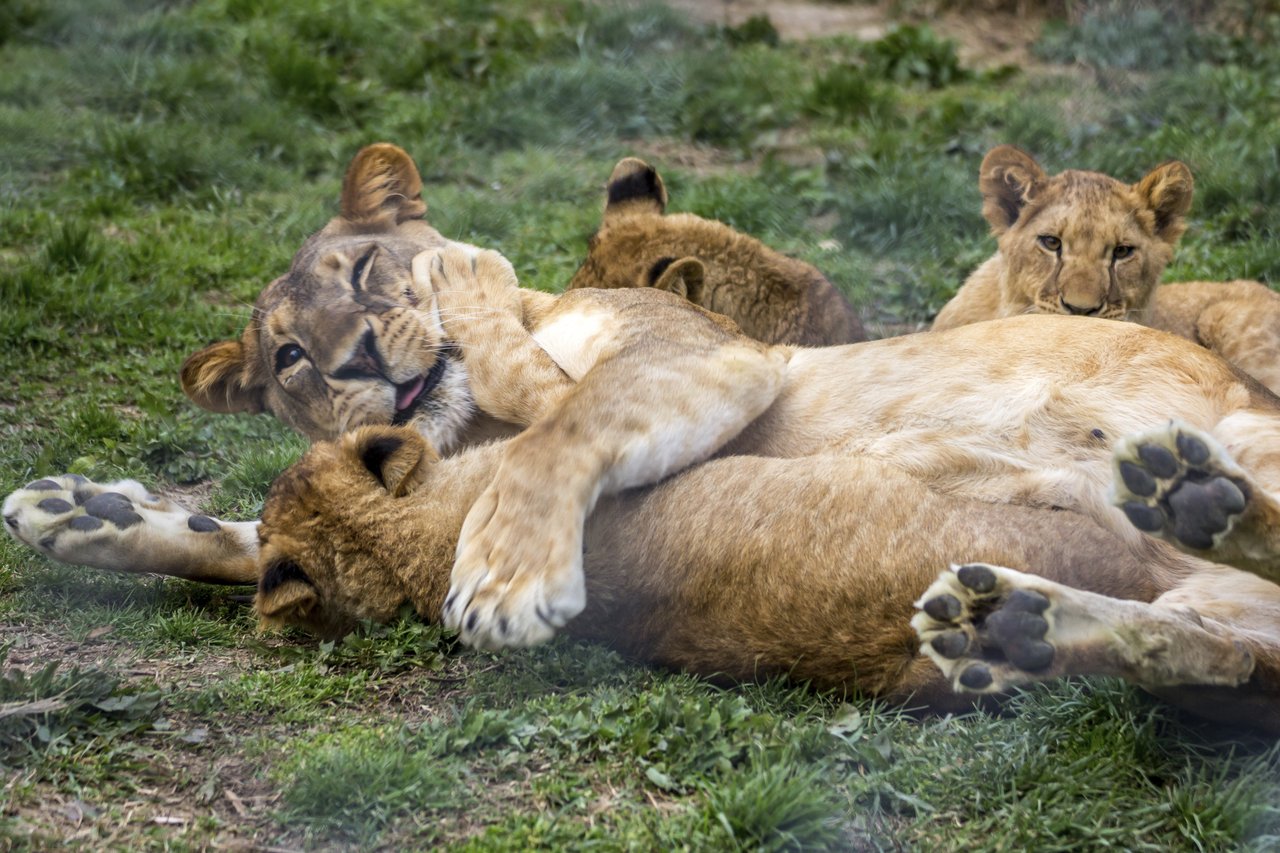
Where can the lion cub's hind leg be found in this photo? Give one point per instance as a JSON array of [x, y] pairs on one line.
[[1179, 483], [989, 629], [122, 527]]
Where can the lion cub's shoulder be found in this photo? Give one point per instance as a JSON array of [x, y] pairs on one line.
[[772, 297], [1078, 242]]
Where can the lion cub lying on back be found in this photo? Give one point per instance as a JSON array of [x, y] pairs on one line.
[[773, 298], [1084, 243]]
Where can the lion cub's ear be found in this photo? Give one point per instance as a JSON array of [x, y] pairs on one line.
[[382, 181], [634, 187], [220, 378], [684, 277], [1007, 179], [398, 458], [285, 595], [1167, 191]]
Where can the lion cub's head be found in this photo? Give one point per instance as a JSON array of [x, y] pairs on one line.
[[773, 298], [1082, 242], [342, 338], [338, 539]]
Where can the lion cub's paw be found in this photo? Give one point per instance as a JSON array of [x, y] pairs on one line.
[[73, 520], [467, 282], [1179, 483], [518, 573], [988, 628]]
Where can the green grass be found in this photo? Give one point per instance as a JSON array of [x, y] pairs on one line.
[[160, 162]]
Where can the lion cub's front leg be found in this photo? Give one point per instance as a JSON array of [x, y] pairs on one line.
[[122, 527], [483, 311], [660, 385]]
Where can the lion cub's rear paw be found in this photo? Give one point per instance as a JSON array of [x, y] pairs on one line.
[[73, 520], [518, 574], [987, 628], [1179, 483]]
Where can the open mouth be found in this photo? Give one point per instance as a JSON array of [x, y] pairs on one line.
[[411, 394]]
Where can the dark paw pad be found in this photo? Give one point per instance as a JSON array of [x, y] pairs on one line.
[[1160, 461], [43, 486], [1144, 517], [977, 577], [976, 677], [1192, 449], [1027, 601], [951, 644], [944, 608], [1137, 479], [1018, 630], [113, 507], [55, 506], [85, 523], [202, 524], [1202, 510]]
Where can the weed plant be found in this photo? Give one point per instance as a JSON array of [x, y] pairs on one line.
[[160, 162]]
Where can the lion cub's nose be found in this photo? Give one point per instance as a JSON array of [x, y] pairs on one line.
[[1086, 310]]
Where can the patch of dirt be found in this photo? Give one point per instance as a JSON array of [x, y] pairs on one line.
[[190, 496], [985, 38]]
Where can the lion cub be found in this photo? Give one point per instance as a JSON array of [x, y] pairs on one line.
[[746, 567], [1083, 243], [775, 299]]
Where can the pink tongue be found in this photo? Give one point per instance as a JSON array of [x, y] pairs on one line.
[[406, 395]]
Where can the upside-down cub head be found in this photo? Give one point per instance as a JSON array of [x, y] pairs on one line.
[[1082, 242], [327, 524], [773, 298], [344, 338]]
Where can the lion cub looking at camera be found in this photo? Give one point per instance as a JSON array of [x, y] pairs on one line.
[[1083, 243], [775, 299]]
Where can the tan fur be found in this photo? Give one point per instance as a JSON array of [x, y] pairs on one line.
[[773, 298], [1003, 420], [1091, 214], [1065, 392], [747, 567]]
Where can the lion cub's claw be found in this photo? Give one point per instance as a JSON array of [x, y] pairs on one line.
[[984, 630], [517, 577], [1178, 483]]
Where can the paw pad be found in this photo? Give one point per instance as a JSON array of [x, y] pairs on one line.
[[1176, 482], [985, 628], [202, 524], [113, 507]]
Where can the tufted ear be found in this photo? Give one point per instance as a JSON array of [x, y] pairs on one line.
[[634, 187], [220, 378], [1007, 180], [1167, 191], [285, 595], [397, 457], [684, 277], [382, 181]]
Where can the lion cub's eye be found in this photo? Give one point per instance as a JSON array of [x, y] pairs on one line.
[[1121, 252], [1050, 242], [288, 355]]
